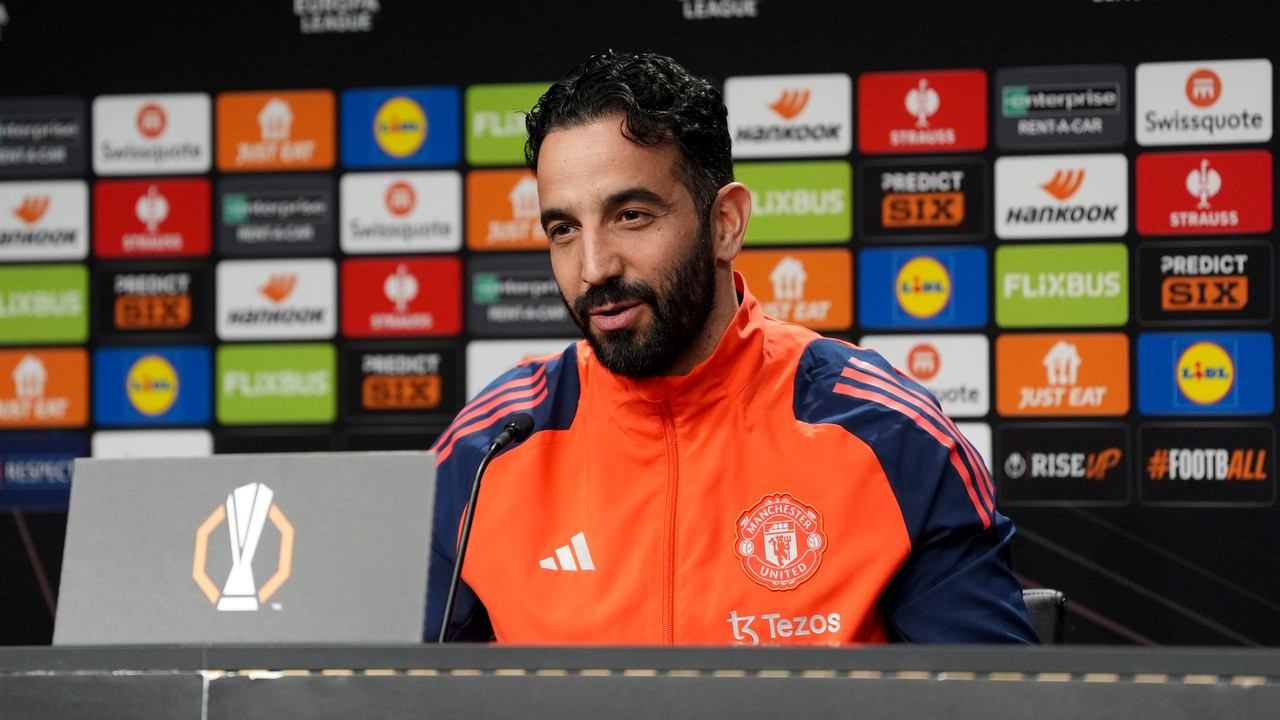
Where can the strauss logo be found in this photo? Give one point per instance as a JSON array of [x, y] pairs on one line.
[[401, 287], [152, 209]]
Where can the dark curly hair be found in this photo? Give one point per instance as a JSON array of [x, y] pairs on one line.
[[660, 102]]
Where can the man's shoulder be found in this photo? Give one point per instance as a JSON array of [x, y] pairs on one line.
[[546, 387]]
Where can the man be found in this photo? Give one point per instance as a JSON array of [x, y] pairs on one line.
[[699, 472]]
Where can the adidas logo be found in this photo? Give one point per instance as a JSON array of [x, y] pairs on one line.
[[572, 557]]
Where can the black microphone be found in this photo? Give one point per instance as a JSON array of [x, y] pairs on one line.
[[516, 429]]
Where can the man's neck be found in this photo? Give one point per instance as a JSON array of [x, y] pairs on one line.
[[725, 305]]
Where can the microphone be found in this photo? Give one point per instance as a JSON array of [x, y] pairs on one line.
[[516, 430]]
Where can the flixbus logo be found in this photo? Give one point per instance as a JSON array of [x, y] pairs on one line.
[[789, 115], [1062, 285], [799, 202], [495, 122], [1213, 101]]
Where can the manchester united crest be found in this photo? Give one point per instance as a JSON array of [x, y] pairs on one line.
[[780, 542]]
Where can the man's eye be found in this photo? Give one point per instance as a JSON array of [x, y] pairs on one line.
[[631, 215]]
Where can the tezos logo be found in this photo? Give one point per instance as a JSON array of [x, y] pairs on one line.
[[923, 287], [247, 510], [1205, 373], [780, 542]]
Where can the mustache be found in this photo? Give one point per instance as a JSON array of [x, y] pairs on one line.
[[613, 290]]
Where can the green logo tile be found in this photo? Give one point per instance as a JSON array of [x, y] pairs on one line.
[[44, 304], [495, 122], [276, 384], [798, 202], [1078, 285]]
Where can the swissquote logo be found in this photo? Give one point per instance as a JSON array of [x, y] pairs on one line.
[[573, 557], [790, 115], [1204, 193], [401, 212], [151, 134], [142, 218], [1212, 101], [780, 542], [246, 512], [44, 220], [1051, 196], [915, 112], [953, 368], [266, 299]]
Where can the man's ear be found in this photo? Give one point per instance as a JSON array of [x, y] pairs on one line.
[[729, 215]]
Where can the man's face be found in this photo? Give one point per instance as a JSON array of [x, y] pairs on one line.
[[633, 263]]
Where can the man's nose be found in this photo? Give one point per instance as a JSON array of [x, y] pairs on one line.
[[600, 259]]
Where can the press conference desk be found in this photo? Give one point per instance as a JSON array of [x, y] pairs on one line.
[[241, 683]]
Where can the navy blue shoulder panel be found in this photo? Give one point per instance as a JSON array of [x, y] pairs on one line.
[[548, 390], [956, 585]]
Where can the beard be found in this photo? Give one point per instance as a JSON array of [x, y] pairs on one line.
[[679, 305]]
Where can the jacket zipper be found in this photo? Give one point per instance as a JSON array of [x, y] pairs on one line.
[[669, 569]]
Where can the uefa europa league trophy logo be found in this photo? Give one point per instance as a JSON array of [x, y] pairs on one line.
[[247, 508]]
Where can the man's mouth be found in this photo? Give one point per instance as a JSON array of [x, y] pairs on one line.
[[615, 316]]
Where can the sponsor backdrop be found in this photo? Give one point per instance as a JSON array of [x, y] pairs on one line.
[[305, 225]]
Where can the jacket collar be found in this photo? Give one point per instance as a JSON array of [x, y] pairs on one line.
[[735, 360]]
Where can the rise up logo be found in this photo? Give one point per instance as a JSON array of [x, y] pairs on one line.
[[1064, 464], [789, 115], [937, 111], [1204, 193], [1061, 196], [1216, 101], [1199, 281]]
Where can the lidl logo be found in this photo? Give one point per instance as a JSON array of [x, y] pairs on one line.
[[275, 130], [1222, 373], [789, 115], [921, 112], [44, 304], [1205, 373], [495, 122], [1200, 193], [46, 220], [1062, 285], [401, 212], [151, 134], [151, 386], [1052, 196], [922, 287], [276, 384], [151, 218], [44, 388], [388, 127], [1204, 102], [811, 287], [503, 211], [798, 202]]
